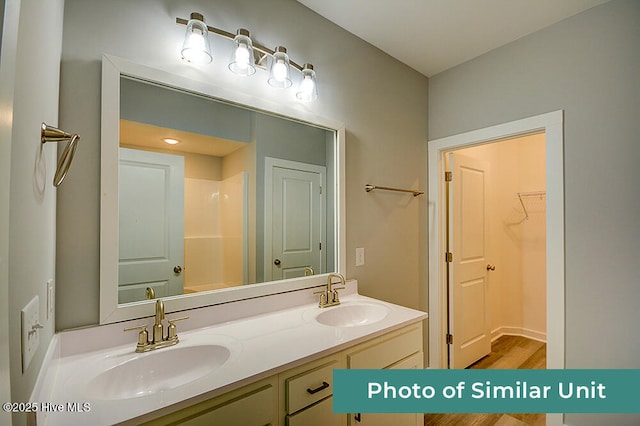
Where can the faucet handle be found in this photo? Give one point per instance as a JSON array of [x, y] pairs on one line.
[[334, 294], [324, 298], [143, 336], [172, 331]]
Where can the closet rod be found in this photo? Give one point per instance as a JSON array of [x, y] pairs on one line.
[[370, 188]]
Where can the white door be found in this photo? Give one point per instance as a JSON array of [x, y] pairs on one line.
[[151, 224], [295, 219], [468, 315]]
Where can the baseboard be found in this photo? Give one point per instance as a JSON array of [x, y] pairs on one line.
[[518, 331]]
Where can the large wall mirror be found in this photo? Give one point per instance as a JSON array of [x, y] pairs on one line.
[[209, 195]]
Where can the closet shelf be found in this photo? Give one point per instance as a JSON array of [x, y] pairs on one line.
[[527, 195]]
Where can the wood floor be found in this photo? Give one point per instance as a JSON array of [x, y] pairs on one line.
[[507, 352]]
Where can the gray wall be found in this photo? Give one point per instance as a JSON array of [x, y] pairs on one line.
[[382, 102], [588, 66], [8, 45], [29, 78], [160, 106]]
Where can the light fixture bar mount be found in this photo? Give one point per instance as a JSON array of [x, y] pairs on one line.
[[263, 50]]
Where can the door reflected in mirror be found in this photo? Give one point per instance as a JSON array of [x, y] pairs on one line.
[[215, 196]]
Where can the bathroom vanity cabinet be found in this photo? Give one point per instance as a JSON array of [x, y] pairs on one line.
[[302, 396], [265, 367]]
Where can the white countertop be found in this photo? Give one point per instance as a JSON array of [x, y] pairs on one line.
[[260, 345]]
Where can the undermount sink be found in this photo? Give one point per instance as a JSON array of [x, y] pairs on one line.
[[352, 314], [157, 371]]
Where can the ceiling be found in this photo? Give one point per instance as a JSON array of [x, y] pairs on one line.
[[146, 136], [433, 35]]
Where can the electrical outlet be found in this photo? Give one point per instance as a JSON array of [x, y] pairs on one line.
[[360, 256], [30, 321]]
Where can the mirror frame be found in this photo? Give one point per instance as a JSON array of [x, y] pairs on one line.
[[110, 311]]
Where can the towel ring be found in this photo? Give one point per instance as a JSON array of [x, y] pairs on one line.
[[53, 134]]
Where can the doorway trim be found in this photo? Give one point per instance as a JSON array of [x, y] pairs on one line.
[[552, 125]]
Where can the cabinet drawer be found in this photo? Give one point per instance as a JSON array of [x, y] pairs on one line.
[[320, 414], [386, 350], [311, 386]]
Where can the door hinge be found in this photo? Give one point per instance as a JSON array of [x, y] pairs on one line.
[[448, 176], [320, 190], [449, 339], [320, 246], [448, 257]]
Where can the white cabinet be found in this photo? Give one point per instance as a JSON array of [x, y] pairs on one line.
[[255, 404], [302, 396], [401, 349]]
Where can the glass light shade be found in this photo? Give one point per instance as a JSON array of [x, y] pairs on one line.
[[196, 47], [242, 56], [279, 75], [308, 90]]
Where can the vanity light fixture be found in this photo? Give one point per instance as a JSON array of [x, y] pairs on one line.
[[196, 47], [247, 56]]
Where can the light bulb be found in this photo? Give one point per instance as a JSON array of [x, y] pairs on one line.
[[279, 70], [307, 87], [308, 90], [194, 50], [279, 75], [242, 56]]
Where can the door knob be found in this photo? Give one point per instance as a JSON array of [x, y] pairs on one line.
[[491, 267], [277, 262], [177, 269]]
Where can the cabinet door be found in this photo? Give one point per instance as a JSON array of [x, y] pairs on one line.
[[386, 350], [253, 405], [412, 362], [255, 409], [319, 414]]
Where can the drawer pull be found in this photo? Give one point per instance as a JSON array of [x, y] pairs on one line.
[[324, 385]]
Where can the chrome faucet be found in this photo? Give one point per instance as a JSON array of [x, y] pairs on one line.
[[158, 339], [329, 296]]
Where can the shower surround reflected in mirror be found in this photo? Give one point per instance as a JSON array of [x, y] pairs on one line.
[[215, 199]]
